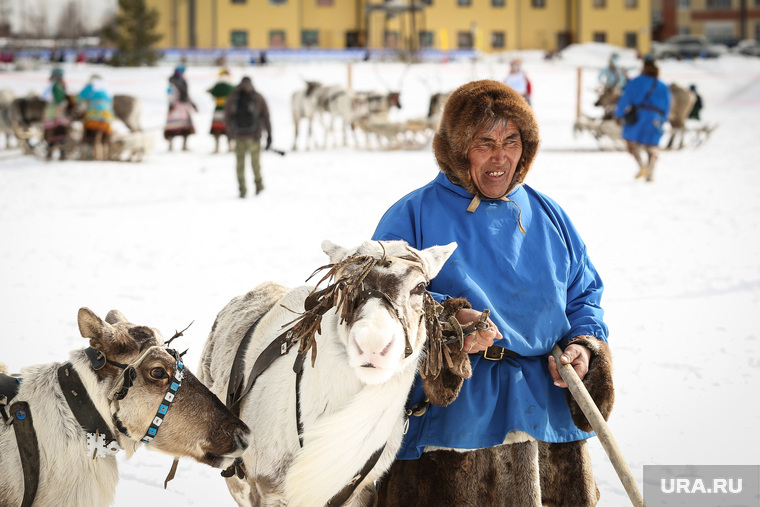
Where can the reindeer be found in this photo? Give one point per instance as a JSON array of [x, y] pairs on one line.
[[304, 104], [65, 422], [338, 103], [330, 430], [683, 100], [6, 97]]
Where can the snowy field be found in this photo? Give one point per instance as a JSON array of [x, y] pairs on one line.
[[168, 242]]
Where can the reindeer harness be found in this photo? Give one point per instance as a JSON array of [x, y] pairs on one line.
[[346, 294], [100, 440]]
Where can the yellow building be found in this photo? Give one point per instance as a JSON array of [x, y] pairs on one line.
[[485, 25]]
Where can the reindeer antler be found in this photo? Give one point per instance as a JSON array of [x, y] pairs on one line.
[[177, 334]]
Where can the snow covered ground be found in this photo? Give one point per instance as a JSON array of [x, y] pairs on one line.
[[168, 242]]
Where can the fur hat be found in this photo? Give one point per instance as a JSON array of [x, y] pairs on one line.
[[468, 109]]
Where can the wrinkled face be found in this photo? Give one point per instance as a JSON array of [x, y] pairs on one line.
[[494, 156], [376, 339]]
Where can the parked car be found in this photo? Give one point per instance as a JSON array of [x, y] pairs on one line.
[[686, 46], [748, 47]]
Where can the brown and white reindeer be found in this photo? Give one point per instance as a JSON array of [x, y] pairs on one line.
[[326, 433], [304, 105], [64, 422]]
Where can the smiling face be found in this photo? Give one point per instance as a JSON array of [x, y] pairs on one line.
[[494, 155]]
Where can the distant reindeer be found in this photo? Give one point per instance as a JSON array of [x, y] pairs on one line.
[[339, 104], [304, 105], [65, 422]]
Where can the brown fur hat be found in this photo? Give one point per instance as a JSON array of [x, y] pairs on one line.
[[468, 109]]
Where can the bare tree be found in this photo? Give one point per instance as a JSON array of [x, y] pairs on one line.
[[70, 22]]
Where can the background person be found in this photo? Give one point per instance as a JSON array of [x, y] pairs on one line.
[[98, 116], [651, 98], [246, 116], [518, 80], [220, 91], [56, 120], [179, 121], [519, 256]]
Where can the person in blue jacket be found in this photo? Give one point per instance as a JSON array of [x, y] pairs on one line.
[[651, 98], [513, 435]]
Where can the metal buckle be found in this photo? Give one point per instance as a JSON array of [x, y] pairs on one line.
[[499, 358]]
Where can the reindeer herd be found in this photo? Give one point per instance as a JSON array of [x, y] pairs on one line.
[[342, 113]]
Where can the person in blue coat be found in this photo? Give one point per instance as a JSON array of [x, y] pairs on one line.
[[512, 435], [651, 98]]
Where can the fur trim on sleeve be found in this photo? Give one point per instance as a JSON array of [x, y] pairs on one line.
[[598, 381]]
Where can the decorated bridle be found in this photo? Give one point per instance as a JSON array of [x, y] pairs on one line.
[[126, 378]]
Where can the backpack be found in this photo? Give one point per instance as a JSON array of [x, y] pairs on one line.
[[245, 116]]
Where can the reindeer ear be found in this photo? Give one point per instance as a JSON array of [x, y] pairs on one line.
[[115, 316], [335, 252], [93, 327], [435, 257]]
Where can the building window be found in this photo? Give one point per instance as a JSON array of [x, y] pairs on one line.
[[277, 39], [427, 2], [503, 3], [239, 38], [464, 40], [631, 4], [684, 4], [600, 36], [238, 1], [497, 40], [538, 4], [277, 2], [309, 38], [599, 4], [718, 4], [426, 39], [464, 3], [325, 3], [631, 40]]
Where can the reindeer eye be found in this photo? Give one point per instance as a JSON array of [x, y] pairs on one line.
[[419, 289], [158, 373]]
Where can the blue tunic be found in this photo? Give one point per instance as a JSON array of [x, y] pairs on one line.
[[654, 108], [541, 289]]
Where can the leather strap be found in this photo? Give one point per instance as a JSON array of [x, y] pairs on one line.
[[26, 438], [81, 404], [237, 374], [496, 353], [344, 494]]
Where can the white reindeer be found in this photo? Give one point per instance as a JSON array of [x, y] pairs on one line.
[[373, 327], [339, 104], [119, 387], [304, 106]]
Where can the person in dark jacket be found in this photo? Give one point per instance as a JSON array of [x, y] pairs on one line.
[[651, 98], [246, 116]]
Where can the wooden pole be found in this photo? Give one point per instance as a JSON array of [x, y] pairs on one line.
[[591, 411]]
